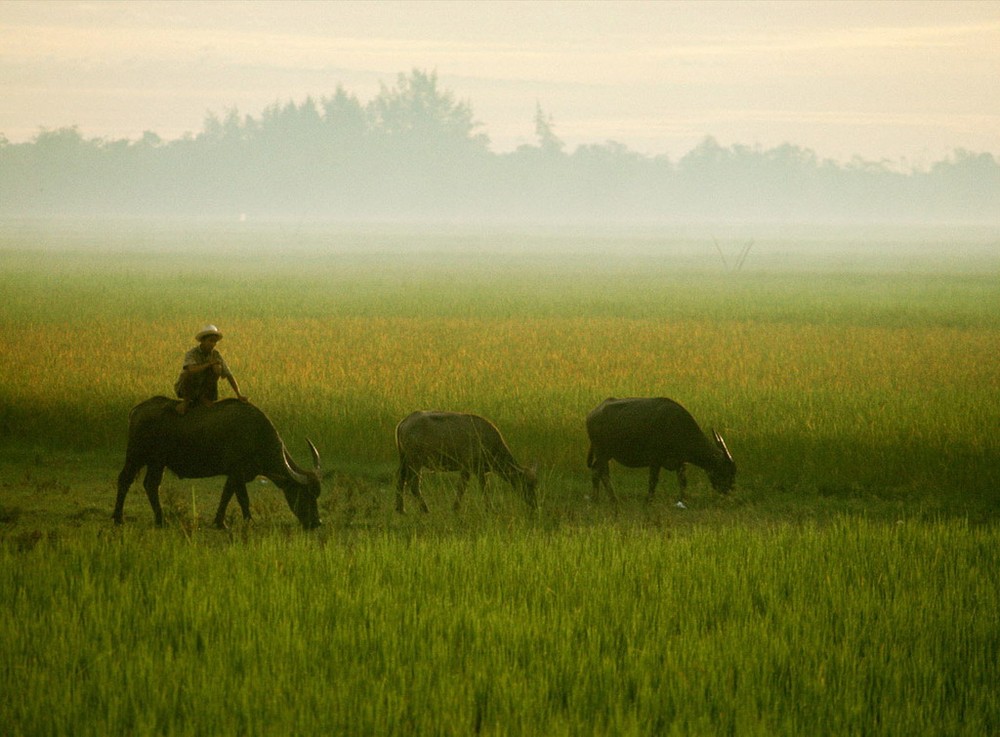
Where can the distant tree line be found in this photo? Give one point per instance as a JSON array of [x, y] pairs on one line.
[[415, 153]]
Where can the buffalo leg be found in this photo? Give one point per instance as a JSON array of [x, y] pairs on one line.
[[220, 514], [415, 490], [244, 500], [408, 476], [401, 478], [481, 479], [125, 479], [654, 479], [233, 486], [411, 477], [682, 480], [151, 483], [601, 476], [463, 482]]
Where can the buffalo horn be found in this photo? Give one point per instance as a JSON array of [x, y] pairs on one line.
[[315, 455], [297, 476], [722, 444]]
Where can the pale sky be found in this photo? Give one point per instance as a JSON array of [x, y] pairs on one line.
[[904, 81]]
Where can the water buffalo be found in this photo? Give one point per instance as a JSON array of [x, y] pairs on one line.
[[453, 441], [229, 438], [656, 433]]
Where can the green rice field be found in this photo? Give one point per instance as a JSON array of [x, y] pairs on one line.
[[848, 585]]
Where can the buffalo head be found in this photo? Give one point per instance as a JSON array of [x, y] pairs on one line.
[[303, 493], [723, 474]]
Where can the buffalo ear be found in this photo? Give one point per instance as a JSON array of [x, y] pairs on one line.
[[722, 444]]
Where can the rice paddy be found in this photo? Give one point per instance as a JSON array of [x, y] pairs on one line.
[[848, 585]]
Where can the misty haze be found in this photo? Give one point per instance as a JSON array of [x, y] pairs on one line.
[[413, 153]]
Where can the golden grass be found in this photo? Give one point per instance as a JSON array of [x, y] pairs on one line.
[[347, 379], [859, 379]]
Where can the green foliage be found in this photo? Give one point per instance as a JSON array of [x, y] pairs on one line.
[[418, 112], [851, 628]]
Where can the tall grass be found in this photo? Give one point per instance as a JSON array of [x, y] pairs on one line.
[[855, 628], [842, 377]]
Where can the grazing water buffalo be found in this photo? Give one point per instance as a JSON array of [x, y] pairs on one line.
[[229, 438], [656, 433], [452, 441]]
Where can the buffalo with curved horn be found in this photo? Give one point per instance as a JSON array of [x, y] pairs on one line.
[[229, 438], [657, 433]]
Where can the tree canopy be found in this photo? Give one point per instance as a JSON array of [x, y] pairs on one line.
[[414, 152]]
